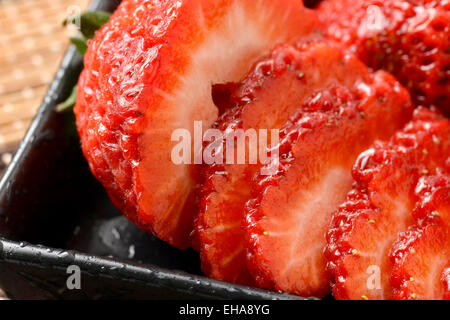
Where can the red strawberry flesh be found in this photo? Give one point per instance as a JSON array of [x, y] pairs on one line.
[[421, 255], [286, 222], [380, 205], [421, 262], [407, 38], [149, 72], [271, 93]]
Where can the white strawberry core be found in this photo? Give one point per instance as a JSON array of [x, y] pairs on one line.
[[313, 208]]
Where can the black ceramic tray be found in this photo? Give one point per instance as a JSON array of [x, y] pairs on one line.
[[49, 199]]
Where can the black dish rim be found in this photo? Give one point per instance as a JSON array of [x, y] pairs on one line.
[[20, 254]]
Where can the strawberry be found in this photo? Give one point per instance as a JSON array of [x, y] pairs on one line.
[[148, 72], [420, 257], [433, 205], [267, 97], [380, 204], [289, 213], [408, 38], [421, 264]]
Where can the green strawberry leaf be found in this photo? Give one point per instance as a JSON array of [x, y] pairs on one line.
[[79, 42], [69, 103], [90, 21]]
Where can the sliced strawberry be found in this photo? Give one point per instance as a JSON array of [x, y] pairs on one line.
[[274, 90], [408, 38], [433, 204], [420, 257], [446, 282], [287, 220], [380, 205], [421, 264], [149, 72]]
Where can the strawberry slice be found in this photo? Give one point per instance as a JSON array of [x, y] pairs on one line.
[[446, 282], [287, 220], [421, 264], [433, 192], [148, 72], [380, 205], [408, 38], [272, 92], [421, 256]]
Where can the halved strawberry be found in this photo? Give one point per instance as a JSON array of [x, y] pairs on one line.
[[149, 72], [305, 77], [420, 257], [420, 264], [380, 205], [286, 222], [408, 38]]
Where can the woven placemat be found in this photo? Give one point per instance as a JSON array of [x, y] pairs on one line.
[[32, 44]]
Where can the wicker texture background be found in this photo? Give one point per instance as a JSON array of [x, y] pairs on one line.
[[32, 43]]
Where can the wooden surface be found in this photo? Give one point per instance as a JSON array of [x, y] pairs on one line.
[[32, 44]]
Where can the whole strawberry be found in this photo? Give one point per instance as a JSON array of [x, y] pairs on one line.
[[407, 38]]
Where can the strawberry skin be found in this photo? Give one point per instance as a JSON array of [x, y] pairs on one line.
[[407, 38], [420, 257], [380, 204], [433, 206], [149, 72], [287, 219], [446, 282], [421, 264], [273, 91]]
